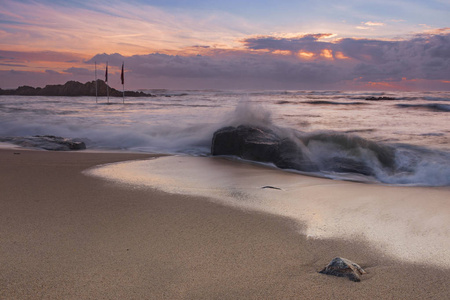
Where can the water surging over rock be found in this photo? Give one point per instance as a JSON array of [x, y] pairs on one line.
[[317, 152]]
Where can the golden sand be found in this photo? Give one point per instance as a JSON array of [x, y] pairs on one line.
[[66, 235]]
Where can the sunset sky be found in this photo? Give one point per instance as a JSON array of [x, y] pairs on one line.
[[234, 44]]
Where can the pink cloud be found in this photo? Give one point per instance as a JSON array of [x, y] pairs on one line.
[[48, 56], [114, 26]]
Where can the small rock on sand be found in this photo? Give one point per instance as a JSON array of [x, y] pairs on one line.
[[343, 267]]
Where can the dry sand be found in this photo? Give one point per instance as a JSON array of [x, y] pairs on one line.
[[65, 235]]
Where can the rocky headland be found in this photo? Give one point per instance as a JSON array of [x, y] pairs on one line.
[[72, 88]]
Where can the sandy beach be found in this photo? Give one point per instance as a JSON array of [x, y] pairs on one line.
[[66, 235]]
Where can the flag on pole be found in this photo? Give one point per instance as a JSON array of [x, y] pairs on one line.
[[121, 76], [106, 73], [106, 80], [96, 88]]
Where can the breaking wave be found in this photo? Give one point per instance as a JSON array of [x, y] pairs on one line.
[[345, 156], [431, 106], [153, 125]]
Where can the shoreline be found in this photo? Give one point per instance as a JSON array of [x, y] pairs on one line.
[[393, 219], [67, 235]]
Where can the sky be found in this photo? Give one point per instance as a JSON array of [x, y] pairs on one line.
[[234, 44]]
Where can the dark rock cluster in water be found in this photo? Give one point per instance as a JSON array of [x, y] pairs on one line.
[[343, 267], [72, 88], [380, 98], [47, 142], [333, 152]]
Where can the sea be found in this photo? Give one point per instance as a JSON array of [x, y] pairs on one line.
[[416, 125]]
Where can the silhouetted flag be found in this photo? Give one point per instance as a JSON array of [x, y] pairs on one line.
[[106, 73], [121, 76]]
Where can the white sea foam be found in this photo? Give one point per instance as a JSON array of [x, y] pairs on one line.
[[184, 123]]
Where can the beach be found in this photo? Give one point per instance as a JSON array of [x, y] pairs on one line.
[[224, 150], [66, 235]]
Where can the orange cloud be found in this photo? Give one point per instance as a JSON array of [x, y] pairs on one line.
[[381, 84], [327, 53], [305, 54], [374, 24], [282, 52], [340, 55]]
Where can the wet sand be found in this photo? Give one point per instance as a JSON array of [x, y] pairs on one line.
[[65, 235]]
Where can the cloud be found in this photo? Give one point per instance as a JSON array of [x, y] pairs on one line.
[[370, 25], [79, 71], [52, 72], [374, 23], [129, 27], [229, 69], [307, 60], [309, 42], [312, 61], [12, 64], [49, 56], [425, 56]]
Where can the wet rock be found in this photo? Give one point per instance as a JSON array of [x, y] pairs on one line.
[[343, 267], [260, 144], [61, 143], [47, 142], [248, 142]]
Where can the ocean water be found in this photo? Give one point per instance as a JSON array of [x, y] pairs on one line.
[[415, 124]]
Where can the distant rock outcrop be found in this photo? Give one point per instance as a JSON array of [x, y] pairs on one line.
[[379, 98], [72, 88], [343, 267]]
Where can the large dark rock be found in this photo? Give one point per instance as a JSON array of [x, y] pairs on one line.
[[252, 143], [260, 144]]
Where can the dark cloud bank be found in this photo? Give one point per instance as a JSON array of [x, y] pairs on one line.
[[271, 62], [423, 57]]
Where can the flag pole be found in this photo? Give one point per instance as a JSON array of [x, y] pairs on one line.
[[106, 80], [96, 93], [123, 84]]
